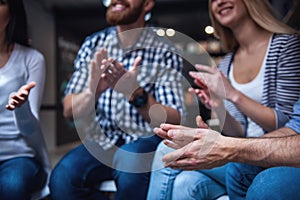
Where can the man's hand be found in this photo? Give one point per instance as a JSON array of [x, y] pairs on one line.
[[184, 135], [96, 82], [18, 98], [205, 152], [121, 80], [177, 136]]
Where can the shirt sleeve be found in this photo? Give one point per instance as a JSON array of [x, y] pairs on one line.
[[287, 79], [27, 116], [294, 122], [37, 73], [79, 78]]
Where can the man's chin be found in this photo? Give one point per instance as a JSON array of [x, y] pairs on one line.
[[114, 22]]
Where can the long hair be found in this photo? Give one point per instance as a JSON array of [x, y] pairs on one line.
[[16, 30], [261, 13]]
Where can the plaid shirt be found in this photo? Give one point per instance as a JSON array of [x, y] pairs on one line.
[[159, 74]]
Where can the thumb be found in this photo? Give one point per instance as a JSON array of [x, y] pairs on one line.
[[200, 123], [29, 86], [137, 63]]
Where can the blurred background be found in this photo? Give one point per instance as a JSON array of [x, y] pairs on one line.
[[58, 27]]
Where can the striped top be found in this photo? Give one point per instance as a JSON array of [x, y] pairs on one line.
[[281, 79], [115, 120], [294, 123]]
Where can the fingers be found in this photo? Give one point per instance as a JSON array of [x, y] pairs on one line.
[[198, 79], [206, 69], [17, 99], [171, 144], [100, 55], [173, 156], [137, 62], [161, 133], [200, 123], [186, 164], [29, 86], [11, 106], [167, 127], [201, 83]]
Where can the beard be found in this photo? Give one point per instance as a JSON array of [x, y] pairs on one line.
[[124, 18]]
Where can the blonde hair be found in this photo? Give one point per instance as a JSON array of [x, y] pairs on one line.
[[261, 13]]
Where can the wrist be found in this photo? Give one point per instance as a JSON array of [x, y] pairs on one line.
[[230, 148], [234, 96], [139, 98]]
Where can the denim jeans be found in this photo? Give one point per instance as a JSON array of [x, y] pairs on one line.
[[79, 173], [20, 177], [167, 183], [252, 182]]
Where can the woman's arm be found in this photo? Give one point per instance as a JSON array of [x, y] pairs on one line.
[[27, 114]]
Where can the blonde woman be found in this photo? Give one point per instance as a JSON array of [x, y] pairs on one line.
[[253, 91]]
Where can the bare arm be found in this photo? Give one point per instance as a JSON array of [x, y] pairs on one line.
[[262, 115], [83, 103], [220, 85], [210, 149], [78, 105], [282, 149]]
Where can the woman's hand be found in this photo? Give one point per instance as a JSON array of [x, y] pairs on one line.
[[18, 98], [217, 85], [207, 98]]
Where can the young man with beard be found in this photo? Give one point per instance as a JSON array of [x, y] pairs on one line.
[[128, 80]]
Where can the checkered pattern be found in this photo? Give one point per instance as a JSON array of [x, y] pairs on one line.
[[159, 74]]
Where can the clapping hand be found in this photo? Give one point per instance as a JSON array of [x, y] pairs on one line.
[[120, 79], [96, 83], [213, 86]]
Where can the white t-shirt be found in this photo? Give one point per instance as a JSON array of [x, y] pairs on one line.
[[254, 90]]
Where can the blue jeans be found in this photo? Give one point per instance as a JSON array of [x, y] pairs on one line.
[[167, 184], [252, 182], [20, 177], [79, 173]]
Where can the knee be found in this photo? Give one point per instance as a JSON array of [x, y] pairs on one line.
[[161, 150], [63, 175], [132, 162], [14, 187], [129, 182], [261, 188], [196, 185], [271, 184], [13, 184], [233, 170], [190, 185]]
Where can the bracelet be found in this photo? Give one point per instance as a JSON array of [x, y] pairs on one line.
[[139, 100]]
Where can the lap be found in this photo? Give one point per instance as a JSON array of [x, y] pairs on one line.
[[136, 157], [21, 177], [22, 168], [276, 183]]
